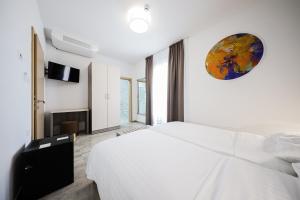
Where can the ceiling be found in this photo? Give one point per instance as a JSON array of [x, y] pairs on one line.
[[104, 22]]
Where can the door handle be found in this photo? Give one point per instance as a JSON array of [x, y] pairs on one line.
[[40, 101]]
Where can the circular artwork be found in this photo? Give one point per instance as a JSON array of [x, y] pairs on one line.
[[234, 56]]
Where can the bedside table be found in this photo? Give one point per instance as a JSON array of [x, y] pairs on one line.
[[48, 165]]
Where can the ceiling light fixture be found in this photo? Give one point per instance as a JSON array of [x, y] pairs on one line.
[[139, 19]]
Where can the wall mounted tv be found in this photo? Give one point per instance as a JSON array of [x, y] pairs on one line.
[[62, 72]]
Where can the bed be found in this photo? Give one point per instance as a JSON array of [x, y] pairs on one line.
[[183, 161]]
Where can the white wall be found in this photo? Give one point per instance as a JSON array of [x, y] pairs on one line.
[[270, 92], [16, 19], [65, 95]]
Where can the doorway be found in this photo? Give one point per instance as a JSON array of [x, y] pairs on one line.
[[125, 100]]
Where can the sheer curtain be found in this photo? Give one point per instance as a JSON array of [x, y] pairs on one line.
[[160, 87]]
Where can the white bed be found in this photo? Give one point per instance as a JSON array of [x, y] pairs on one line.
[[177, 161]]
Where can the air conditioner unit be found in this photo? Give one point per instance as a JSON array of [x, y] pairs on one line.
[[73, 45]]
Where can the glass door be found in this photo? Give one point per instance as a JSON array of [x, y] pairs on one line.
[[125, 86]]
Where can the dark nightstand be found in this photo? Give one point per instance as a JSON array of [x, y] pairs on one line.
[[48, 164]]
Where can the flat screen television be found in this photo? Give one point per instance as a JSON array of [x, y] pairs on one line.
[[62, 72]]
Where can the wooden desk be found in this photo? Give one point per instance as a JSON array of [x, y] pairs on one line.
[[79, 115]]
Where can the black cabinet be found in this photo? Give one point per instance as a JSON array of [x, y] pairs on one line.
[[48, 164]]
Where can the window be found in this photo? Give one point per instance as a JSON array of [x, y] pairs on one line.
[[160, 87], [141, 96]]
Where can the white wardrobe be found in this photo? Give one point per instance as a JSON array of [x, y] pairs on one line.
[[104, 97]]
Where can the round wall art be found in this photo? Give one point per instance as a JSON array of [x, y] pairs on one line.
[[234, 56]]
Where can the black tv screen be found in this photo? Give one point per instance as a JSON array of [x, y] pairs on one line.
[[62, 72]]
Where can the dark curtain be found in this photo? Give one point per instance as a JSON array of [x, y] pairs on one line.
[[176, 82], [149, 75]]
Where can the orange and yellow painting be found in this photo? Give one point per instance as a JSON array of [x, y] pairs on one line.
[[234, 56]]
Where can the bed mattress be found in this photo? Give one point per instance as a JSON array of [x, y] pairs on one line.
[[148, 164]]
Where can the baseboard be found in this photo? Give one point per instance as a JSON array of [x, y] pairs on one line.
[[106, 129], [136, 121]]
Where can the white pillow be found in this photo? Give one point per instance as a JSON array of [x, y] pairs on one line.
[[296, 167], [251, 147], [286, 147]]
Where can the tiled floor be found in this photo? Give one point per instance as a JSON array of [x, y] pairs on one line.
[[82, 188]]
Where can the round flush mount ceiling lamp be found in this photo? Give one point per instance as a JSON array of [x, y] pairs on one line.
[[139, 19]]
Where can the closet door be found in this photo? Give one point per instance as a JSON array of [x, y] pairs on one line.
[[113, 107], [99, 96]]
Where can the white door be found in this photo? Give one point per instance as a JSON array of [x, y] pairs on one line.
[[99, 96], [113, 87]]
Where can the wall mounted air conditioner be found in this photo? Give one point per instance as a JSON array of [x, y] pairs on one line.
[[73, 45]]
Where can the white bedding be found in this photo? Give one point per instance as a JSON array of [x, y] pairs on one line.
[[243, 145], [216, 139], [241, 180], [151, 165]]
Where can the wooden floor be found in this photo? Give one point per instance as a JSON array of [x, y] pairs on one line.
[[82, 188]]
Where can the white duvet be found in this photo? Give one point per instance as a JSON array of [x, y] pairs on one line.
[[151, 165]]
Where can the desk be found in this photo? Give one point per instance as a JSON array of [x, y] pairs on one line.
[[59, 116]]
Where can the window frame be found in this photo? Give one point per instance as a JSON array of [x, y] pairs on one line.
[[142, 80]]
